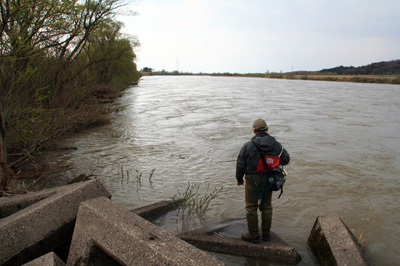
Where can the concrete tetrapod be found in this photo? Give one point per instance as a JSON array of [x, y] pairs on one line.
[[333, 243], [41, 222], [107, 234], [225, 238]]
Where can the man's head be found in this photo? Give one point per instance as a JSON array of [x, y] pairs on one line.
[[260, 126]]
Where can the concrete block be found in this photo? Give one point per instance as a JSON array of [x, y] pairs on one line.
[[45, 225], [333, 243], [107, 234], [49, 259], [225, 238], [153, 211], [11, 205]]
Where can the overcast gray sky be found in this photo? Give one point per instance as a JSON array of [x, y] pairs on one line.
[[263, 35]]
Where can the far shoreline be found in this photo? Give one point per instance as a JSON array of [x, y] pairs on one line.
[[377, 79]]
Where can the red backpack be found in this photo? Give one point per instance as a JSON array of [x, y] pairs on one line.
[[271, 162], [267, 161]]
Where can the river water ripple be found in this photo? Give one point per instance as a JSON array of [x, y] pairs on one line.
[[343, 139]]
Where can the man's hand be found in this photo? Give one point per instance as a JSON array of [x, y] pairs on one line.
[[240, 183]]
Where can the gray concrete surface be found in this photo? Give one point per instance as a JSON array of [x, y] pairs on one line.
[[107, 234], [225, 238], [333, 243], [49, 259], [11, 205], [153, 211], [44, 223]]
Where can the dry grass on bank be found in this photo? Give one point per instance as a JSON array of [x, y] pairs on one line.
[[383, 79]]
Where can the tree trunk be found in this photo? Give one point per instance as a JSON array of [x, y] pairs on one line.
[[3, 149]]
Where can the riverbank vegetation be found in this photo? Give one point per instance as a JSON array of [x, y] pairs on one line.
[[58, 61], [382, 72], [384, 79]]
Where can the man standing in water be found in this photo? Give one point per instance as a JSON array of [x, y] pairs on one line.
[[256, 187]]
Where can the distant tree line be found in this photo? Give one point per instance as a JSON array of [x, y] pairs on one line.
[[55, 57], [150, 72], [381, 68], [147, 69]]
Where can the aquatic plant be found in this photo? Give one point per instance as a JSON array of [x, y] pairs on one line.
[[138, 175], [362, 243], [151, 175], [192, 202]]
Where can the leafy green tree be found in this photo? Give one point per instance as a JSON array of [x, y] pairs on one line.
[[110, 57], [42, 43]]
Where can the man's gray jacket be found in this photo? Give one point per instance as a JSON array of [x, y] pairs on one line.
[[249, 156]]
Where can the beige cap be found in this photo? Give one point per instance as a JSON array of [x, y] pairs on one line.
[[260, 125]]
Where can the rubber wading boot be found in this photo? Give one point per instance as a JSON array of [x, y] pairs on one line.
[[266, 237], [249, 238]]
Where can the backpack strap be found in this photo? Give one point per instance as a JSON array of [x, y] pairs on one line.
[[280, 194]]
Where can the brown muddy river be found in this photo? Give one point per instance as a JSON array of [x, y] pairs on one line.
[[343, 139]]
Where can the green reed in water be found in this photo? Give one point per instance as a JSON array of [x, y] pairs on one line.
[[138, 175], [192, 202]]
